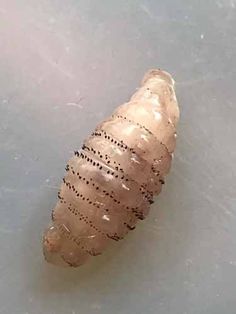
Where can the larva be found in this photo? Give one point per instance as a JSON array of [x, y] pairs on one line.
[[110, 183]]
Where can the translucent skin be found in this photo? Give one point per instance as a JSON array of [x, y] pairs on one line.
[[110, 183]]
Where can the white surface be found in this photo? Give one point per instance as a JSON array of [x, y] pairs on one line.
[[64, 66]]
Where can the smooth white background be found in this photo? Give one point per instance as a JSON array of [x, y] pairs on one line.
[[64, 66]]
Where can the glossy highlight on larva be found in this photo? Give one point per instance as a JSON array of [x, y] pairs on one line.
[[111, 181]]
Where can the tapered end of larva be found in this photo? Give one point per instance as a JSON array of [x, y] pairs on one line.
[[154, 73], [52, 244], [59, 250]]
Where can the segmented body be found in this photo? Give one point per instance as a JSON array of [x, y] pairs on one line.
[[110, 183]]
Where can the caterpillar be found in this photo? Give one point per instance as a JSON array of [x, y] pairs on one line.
[[111, 181]]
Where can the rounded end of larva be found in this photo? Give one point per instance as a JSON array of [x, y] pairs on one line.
[[52, 243], [60, 250], [153, 73]]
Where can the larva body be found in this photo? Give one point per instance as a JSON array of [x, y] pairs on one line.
[[110, 183]]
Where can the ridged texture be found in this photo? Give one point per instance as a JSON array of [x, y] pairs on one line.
[[110, 183]]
